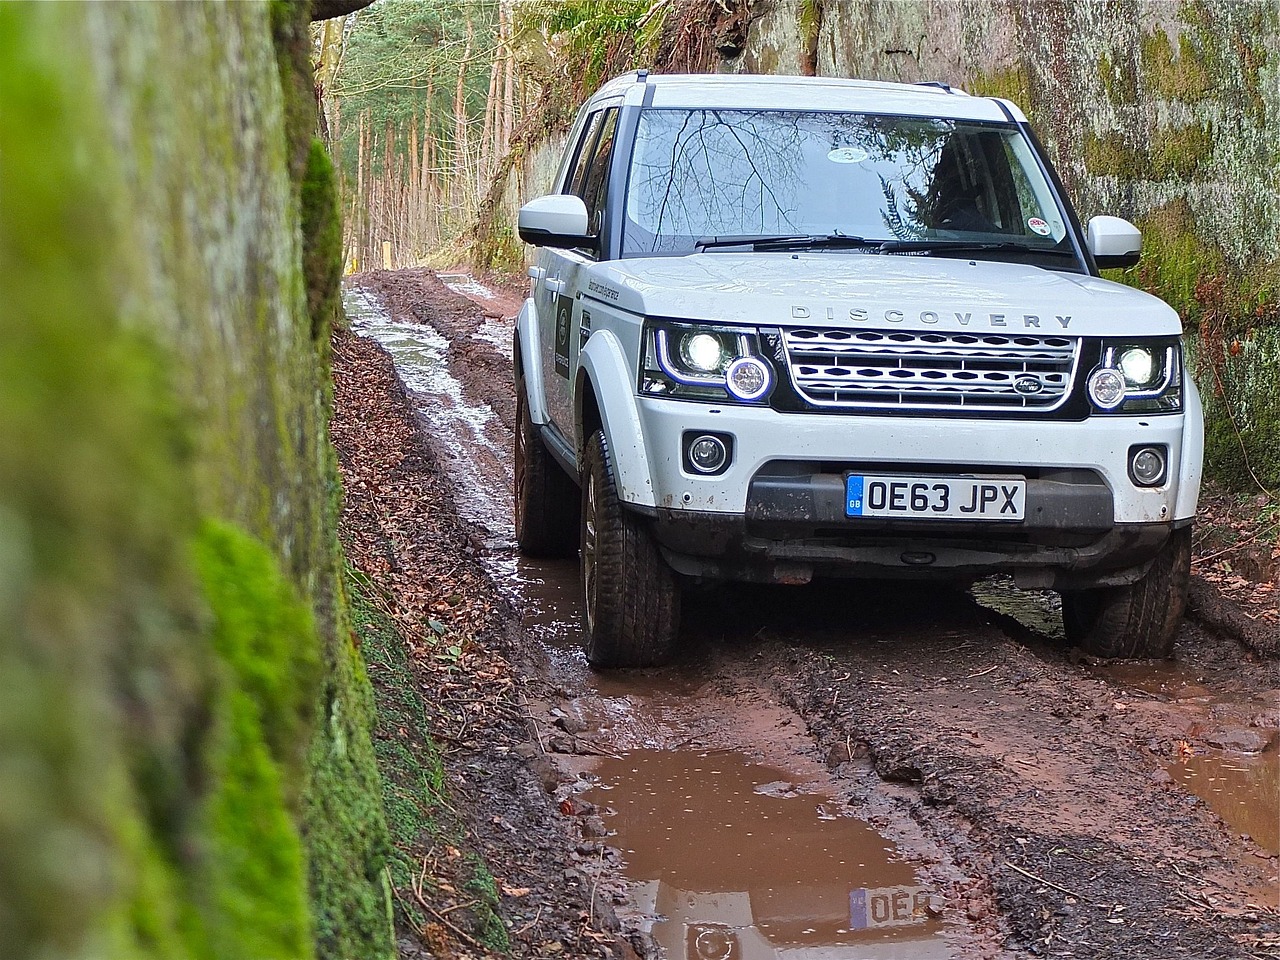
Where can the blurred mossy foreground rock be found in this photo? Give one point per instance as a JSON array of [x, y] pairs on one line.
[[185, 764]]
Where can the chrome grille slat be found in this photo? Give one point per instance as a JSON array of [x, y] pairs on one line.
[[854, 369]]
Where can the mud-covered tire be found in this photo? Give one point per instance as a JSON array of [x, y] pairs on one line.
[[546, 498], [631, 601], [1139, 620]]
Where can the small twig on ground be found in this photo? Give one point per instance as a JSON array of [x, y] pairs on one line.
[[528, 926], [594, 749], [457, 930], [400, 900], [459, 906], [982, 673], [595, 882], [1048, 883], [1235, 546]]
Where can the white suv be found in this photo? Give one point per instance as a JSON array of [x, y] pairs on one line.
[[783, 328]]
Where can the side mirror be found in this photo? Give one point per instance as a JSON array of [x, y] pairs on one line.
[[557, 220], [1114, 242]]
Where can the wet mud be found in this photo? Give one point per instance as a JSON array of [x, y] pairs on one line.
[[935, 759]]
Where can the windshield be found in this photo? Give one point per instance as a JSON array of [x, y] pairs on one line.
[[705, 174]]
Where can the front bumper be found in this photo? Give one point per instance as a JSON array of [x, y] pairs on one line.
[[720, 547], [777, 512]]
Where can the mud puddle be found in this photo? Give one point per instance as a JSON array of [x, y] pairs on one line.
[[733, 841], [730, 859], [1230, 757]]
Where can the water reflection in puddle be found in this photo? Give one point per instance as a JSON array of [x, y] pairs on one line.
[[729, 860], [1244, 790]]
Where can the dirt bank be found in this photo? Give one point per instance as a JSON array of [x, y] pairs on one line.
[[1037, 796]]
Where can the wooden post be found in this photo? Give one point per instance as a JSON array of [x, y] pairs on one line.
[[386, 254]]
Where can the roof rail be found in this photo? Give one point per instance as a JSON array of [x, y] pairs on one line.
[[935, 83], [642, 75]]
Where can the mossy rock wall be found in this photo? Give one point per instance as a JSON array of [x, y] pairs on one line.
[[186, 767], [1165, 113]]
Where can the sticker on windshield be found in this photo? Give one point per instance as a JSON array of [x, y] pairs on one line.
[[1039, 226], [847, 155]]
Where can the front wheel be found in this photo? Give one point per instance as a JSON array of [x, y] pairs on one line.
[[1139, 620], [631, 602]]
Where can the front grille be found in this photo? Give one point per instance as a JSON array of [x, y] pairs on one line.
[[876, 369]]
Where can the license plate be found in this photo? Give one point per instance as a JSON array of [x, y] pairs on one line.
[[935, 498]]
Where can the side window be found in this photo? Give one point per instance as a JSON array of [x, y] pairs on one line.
[[578, 174], [596, 187]]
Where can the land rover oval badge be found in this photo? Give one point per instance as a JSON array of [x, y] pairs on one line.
[[1028, 385]]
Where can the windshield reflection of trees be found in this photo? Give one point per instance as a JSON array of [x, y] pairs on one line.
[[735, 173]]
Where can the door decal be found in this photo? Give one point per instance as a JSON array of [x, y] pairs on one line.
[[564, 313]]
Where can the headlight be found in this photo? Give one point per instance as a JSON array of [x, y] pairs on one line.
[[696, 361], [1138, 377], [1137, 364], [703, 352]]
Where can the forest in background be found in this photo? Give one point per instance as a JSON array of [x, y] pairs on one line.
[[428, 105]]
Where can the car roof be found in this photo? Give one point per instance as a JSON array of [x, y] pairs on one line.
[[773, 92]]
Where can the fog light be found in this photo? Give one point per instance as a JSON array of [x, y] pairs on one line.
[[747, 378], [1106, 388], [1147, 466], [707, 454]]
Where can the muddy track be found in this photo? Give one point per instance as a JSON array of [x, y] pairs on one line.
[[1034, 801]]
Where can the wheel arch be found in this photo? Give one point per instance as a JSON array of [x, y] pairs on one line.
[[604, 399], [524, 344], [1192, 461]]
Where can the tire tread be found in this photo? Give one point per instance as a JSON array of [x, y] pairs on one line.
[[1140, 620], [637, 599]]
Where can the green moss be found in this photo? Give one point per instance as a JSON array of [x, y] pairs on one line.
[[1242, 407], [321, 241], [291, 34], [252, 888], [1112, 155], [1119, 80], [490, 930], [1181, 152], [252, 882], [1012, 84], [346, 826], [497, 249], [1179, 76], [264, 634]]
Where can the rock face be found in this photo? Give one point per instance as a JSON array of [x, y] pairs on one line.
[[186, 768]]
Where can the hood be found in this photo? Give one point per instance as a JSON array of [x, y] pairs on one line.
[[878, 291]]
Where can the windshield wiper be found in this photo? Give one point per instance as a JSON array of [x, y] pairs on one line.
[[798, 241], [967, 246]]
